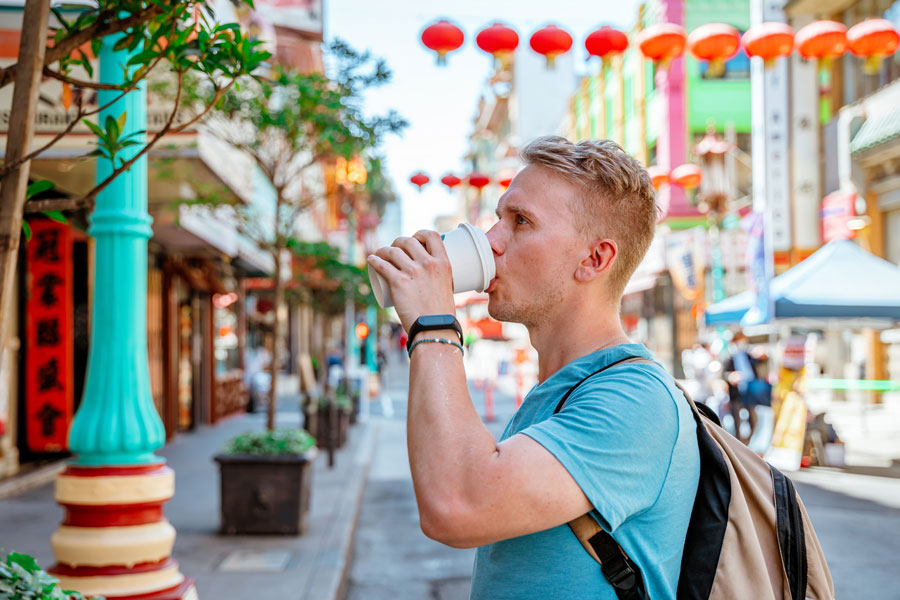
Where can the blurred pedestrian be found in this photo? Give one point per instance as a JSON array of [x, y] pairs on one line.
[[746, 388], [622, 448]]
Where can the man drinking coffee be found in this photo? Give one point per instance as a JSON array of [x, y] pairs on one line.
[[572, 227]]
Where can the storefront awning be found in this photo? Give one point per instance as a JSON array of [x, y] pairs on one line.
[[838, 281]]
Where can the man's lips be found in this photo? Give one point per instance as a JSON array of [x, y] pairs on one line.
[[490, 288]]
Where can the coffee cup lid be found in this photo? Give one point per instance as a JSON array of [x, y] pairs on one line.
[[483, 247]]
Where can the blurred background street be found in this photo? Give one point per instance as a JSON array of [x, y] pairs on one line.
[[200, 393]]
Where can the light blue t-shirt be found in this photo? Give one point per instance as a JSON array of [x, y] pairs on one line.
[[628, 438]]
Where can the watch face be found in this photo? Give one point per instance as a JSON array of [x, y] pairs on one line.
[[432, 320]]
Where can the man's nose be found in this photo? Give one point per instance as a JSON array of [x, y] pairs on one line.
[[493, 236]]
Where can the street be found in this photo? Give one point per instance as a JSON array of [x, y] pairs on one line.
[[856, 517]]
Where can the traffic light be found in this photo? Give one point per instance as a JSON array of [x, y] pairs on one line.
[[362, 331]]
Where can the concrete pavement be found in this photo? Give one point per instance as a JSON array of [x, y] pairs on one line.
[[311, 566]]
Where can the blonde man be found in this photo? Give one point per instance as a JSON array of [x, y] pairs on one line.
[[572, 228]]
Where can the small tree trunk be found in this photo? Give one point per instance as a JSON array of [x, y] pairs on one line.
[[276, 337], [18, 142]]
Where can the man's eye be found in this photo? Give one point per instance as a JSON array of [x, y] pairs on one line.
[[520, 220]]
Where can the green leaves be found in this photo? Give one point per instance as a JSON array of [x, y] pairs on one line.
[[110, 139], [271, 442], [22, 579], [37, 187]]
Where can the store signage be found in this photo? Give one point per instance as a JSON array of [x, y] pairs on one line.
[[837, 210], [685, 259], [771, 126], [49, 378]]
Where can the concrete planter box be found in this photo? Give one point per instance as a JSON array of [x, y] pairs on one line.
[[264, 494], [325, 427]]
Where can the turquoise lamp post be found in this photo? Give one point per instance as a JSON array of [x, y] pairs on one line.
[[114, 540]]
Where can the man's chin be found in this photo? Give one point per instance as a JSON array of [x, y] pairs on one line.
[[499, 312]]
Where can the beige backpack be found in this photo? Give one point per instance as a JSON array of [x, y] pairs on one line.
[[749, 534]]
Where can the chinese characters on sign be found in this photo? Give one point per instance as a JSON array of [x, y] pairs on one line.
[[48, 365]]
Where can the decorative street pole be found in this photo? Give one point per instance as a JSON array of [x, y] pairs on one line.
[[114, 540]]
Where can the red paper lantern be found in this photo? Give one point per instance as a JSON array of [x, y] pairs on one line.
[[769, 41], [687, 175], [443, 37], [420, 179], [873, 40], [451, 180], [821, 40], [658, 176], [505, 181], [499, 41], [606, 42], [715, 43], [551, 41], [478, 180], [662, 42]]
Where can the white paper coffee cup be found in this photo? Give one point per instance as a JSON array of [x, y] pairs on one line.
[[471, 260]]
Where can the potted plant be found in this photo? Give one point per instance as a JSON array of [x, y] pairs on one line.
[[265, 478], [330, 421], [21, 577]]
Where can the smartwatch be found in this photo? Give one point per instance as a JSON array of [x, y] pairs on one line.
[[433, 322]]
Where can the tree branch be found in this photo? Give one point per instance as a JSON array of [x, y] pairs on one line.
[[81, 114], [60, 204], [106, 24], [79, 82]]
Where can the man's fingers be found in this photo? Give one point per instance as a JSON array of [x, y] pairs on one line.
[[396, 257], [432, 242], [412, 246]]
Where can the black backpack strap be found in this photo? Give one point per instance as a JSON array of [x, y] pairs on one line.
[[586, 377], [620, 571]]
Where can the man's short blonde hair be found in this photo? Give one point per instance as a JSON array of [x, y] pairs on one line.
[[617, 200]]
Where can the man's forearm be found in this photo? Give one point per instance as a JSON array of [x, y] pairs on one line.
[[446, 438]]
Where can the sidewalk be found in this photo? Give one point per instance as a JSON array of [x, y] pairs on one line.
[[312, 566]]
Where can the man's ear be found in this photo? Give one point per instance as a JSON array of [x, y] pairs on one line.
[[598, 261]]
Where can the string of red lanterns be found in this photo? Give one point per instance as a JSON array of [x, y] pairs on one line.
[[606, 42], [475, 179], [451, 180], [420, 179], [872, 40], [551, 41], [499, 41], [687, 176], [443, 37], [715, 43]]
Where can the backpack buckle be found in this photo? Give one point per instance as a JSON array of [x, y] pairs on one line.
[[619, 574]]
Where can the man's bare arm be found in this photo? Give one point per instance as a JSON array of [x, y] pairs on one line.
[[470, 490]]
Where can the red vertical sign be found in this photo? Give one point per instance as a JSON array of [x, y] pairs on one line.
[[48, 363]]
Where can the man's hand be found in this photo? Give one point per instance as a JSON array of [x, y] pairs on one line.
[[418, 273]]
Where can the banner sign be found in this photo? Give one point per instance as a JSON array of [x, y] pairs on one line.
[[786, 450], [686, 262], [49, 378], [837, 209], [757, 270]]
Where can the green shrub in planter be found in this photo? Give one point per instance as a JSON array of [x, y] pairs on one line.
[[22, 579], [265, 481], [273, 442]]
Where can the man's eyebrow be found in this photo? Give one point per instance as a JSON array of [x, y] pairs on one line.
[[517, 210]]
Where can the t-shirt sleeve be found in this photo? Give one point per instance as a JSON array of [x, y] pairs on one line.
[[616, 436]]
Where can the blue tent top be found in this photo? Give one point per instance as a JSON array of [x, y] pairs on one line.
[[839, 280]]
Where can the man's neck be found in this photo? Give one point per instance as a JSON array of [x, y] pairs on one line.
[[571, 334]]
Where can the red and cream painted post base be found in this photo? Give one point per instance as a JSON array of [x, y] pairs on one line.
[[114, 540]]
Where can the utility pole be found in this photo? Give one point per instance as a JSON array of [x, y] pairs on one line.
[[115, 540]]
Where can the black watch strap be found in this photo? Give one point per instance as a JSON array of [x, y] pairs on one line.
[[433, 322]]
